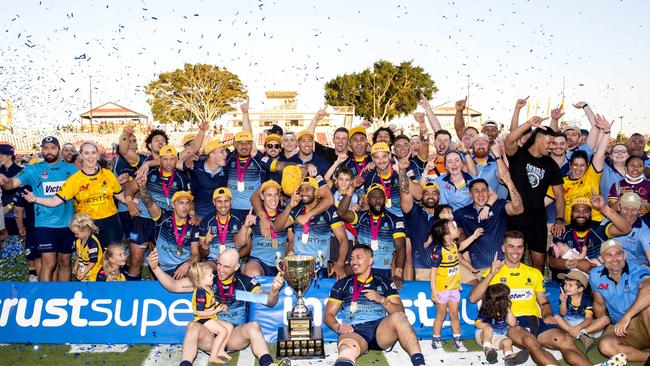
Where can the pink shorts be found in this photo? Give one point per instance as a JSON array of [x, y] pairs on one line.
[[445, 296]]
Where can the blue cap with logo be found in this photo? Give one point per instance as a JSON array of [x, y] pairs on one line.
[[50, 140]]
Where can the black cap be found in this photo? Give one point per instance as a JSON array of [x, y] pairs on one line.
[[50, 140], [275, 129]]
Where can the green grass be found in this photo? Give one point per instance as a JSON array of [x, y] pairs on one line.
[[58, 355]]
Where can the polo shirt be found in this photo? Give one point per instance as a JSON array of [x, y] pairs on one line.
[[618, 296], [495, 226], [456, 197]]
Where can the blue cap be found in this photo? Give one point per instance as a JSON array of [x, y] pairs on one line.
[[6, 149], [50, 140]]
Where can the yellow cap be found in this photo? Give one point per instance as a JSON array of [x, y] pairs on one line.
[[188, 138], [182, 194], [272, 137], [34, 160], [375, 186], [270, 184], [358, 129], [581, 201], [167, 151], [431, 185], [304, 133], [213, 145], [310, 181], [379, 147], [291, 179], [223, 191], [242, 136]]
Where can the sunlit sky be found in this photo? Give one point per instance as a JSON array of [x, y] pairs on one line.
[[48, 50]]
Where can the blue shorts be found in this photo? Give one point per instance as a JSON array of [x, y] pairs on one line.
[[54, 240], [110, 231], [31, 248], [268, 270], [143, 231], [534, 324], [125, 222], [367, 331]]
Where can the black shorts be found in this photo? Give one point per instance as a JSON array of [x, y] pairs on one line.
[[110, 231], [54, 240], [268, 270], [31, 247], [125, 222], [368, 331], [534, 229], [203, 321], [534, 324], [334, 249], [143, 231]]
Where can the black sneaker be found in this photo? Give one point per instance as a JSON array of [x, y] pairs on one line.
[[516, 358], [491, 355]]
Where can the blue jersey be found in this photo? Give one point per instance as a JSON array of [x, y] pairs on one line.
[[390, 227], [122, 166], [609, 177], [166, 241], [391, 184], [337, 199], [637, 242], [155, 182], [366, 310], [8, 195], [319, 233], [262, 248], [259, 166], [322, 165], [456, 197], [576, 312], [420, 222], [203, 183], [482, 250], [46, 180], [618, 296], [499, 326], [357, 165], [416, 165], [488, 171], [237, 313], [210, 224]]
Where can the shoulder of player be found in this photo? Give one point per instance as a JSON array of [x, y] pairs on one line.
[[343, 282], [530, 270], [245, 282]]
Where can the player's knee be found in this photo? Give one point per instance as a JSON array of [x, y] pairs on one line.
[[398, 318], [64, 262], [349, 349], [193, 328], [607, 345]]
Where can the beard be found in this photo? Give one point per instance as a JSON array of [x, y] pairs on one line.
[[580, 226], [430, 203], [480, 153], [50, 158], [376, 212]]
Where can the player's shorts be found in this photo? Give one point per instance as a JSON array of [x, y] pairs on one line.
[[143, 231], [637, 335], [31, 248], [110, 231], [54, 240], [534, 324], [268, 270], [534, 229], [125, 222], [368, 331], [449, 295]]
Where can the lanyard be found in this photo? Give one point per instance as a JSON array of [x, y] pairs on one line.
[[363, 165], [274, 235], [223, 229], [305, 228], [166, 189], [374, 227], [242, 170], [181, 238], [356, 290], [224, 297], [577, 239], [383, 184]]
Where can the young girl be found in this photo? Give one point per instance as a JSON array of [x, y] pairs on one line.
[[494, 319], [206, 309], [89, 249], [445, 278], [114, 259], [446, 212]]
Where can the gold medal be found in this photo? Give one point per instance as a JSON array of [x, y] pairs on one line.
[[274, 243], [389, 203], [222, 248], [179, 251], [353, 306]]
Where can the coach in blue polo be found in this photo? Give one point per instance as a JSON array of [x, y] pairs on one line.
[[624, 289], [495, 225]]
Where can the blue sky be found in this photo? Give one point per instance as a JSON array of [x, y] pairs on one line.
[[510, 49]]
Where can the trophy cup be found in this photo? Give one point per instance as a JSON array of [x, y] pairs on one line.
[[301, 339]]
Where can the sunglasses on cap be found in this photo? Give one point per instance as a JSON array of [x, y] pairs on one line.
[[272, 146]]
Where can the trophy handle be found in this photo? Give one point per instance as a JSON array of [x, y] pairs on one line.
[[320, 262], [279, 264]]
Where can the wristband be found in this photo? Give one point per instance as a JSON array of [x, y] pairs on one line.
[[385, 303], [560, 219], [338, 327], [497, 157], [585, 106]]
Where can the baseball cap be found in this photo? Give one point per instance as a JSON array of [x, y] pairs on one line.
[[575, 274], [167, 151], [213, 145], [609, 244], [379, 147], [50, 140], [272, 137], [304, 133], [481, 136], [375, 186], [223, 191], [188, 138], [355, 130], [490, 122], [182, 194], [270, 184], [310, 181], [242, 136], [581, 201], [275, 130], [6, 149], [571, 127], [630, 199], [431, 185]]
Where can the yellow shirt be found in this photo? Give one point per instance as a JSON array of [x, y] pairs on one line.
[[93, 194], [446, 260], [575, 189], [524, 283], [89, 254]]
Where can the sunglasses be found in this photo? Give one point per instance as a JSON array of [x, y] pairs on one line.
[[272, 146]]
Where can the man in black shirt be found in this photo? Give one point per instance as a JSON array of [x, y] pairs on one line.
[[533, 171]]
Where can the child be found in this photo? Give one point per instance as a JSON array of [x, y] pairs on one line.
[[446, 212], [494, 319], [564, 251], [89, 249], [114, 259], [445, 278], [576, 311], [206, 309]]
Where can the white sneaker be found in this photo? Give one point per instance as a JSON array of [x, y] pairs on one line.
[[33, 278], [460, 347], [436, 344], [616, 360]]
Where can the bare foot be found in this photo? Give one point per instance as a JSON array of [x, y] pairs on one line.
[[216, 360], [224, 356]]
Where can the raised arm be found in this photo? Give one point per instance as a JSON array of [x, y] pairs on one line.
[[246, 121], [405, 196], [514, 122], [423, 151], [317, 118], [130, 156], [510, 142], [326, 201], [479, 290], [433, 120], [196, 143], [592, 138], [619, 226], [516, 205], [282, 221], [556, 114], [343, 209], [459, 117], [151, 205], [605, 128]]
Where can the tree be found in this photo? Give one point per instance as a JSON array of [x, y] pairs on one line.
[[383, 93], [195, 93]]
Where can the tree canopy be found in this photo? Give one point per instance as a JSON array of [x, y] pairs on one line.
[[382, 93], [194, 93]]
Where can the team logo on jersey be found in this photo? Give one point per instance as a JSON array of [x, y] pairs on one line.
[[51, 188], [154, 179], [84, 187], [603, 286], [44, 175], [528, 281], [399, 225], [503, 280]]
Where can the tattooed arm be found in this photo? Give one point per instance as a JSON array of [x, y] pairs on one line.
[[151, 205]]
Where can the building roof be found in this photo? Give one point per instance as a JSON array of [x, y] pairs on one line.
[[112, 110], [281, 94], [449, 109]]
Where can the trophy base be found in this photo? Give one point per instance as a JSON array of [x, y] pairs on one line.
[[313, 347]]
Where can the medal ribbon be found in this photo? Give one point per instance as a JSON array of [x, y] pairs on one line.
[[224, 297], [167, 189], [383, 184], [181, 238], [356, 289], [305, 228], [363, 165], [374, 227], [223, 230], [274, 235], [242, 170], [577, 240]]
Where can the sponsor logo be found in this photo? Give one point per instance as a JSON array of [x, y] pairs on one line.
[[603, 286], [84, 187], [51, 188]]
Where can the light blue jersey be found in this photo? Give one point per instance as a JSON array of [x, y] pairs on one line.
[[46, 180], [390, 227], [262, 248], [637, 242], [253, 170], [168, 249], [211, 224], [366, 311], [319, 234]]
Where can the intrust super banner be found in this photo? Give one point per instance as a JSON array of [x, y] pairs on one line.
[[144, 312]]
